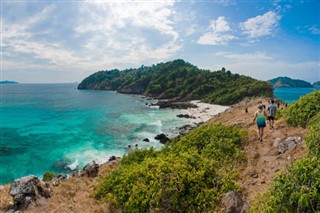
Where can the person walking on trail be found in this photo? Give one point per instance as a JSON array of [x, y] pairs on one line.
[[260, 118], [271, 113]]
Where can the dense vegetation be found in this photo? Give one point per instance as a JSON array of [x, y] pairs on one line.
[[189, 174], [288, 82], [300, 112], [181, 80], [298, 189]]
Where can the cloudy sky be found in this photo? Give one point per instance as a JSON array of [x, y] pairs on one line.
[[65, 41]]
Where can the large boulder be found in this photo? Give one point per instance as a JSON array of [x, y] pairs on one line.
[[234, 203], [26, 190], [163, 138], [287, 144], [90, 170]]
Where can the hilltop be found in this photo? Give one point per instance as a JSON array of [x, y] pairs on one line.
[[288, 82], [179, 80]]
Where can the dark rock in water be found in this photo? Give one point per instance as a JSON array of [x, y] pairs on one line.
[[4, 149], [185, 129], [185, 116], [26, 190], [146, 140], [163, 138], [234, 203], [91, 169], [63, 166], [174, 105], [112, 158]]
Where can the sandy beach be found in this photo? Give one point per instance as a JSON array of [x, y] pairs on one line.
[[204, 111]]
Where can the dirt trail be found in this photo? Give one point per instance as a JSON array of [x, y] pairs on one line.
[[263, 159]]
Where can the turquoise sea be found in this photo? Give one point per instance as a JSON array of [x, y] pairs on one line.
[[288, 95], [55, 127]]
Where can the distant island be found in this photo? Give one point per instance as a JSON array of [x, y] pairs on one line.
[[8, 82], [289, 82], [316, 84], [179, 80]]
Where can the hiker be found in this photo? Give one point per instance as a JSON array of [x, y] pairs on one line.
[[260, 118], [271, 113]]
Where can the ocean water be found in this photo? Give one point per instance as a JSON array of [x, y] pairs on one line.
[[55, 127], [290, 94]]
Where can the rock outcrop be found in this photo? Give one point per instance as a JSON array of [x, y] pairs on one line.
[[234, 203], [163, 138], [287, 144], [26, 190], [90, 170]]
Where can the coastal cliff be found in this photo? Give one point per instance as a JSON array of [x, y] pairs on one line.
[[242, 168]]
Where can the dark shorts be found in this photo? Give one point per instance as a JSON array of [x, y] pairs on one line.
[[270, 118]]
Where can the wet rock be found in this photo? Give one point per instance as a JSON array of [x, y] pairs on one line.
[[112, 158], [26, 190], [174, 104], [185, 116], [146, 140], [91, 169], [185, 129], [234, 203], [63, 166], [163, 138]]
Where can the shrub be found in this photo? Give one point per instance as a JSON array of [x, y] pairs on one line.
[[300, 112], [184, 176], [48, 176]]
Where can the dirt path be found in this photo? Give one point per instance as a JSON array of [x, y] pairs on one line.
[[263, 159]]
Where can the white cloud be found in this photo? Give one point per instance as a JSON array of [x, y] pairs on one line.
[[224, 2], [245, 56], [130, 28], [100, 35], [314, 30], [260, 25], [217, 33]]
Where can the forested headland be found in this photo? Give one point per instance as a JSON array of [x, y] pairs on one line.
[[179, 80]]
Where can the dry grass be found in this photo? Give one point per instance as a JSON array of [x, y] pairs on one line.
[[72, 195]]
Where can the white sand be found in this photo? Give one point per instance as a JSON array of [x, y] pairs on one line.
[[205, 111]]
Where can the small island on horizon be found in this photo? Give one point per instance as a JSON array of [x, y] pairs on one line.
[[8, 82], [289, 82]]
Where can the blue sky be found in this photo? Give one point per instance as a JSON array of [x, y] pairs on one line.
[[65, 41]]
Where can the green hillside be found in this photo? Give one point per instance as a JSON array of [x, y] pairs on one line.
[[288, 82], [180, 80]]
